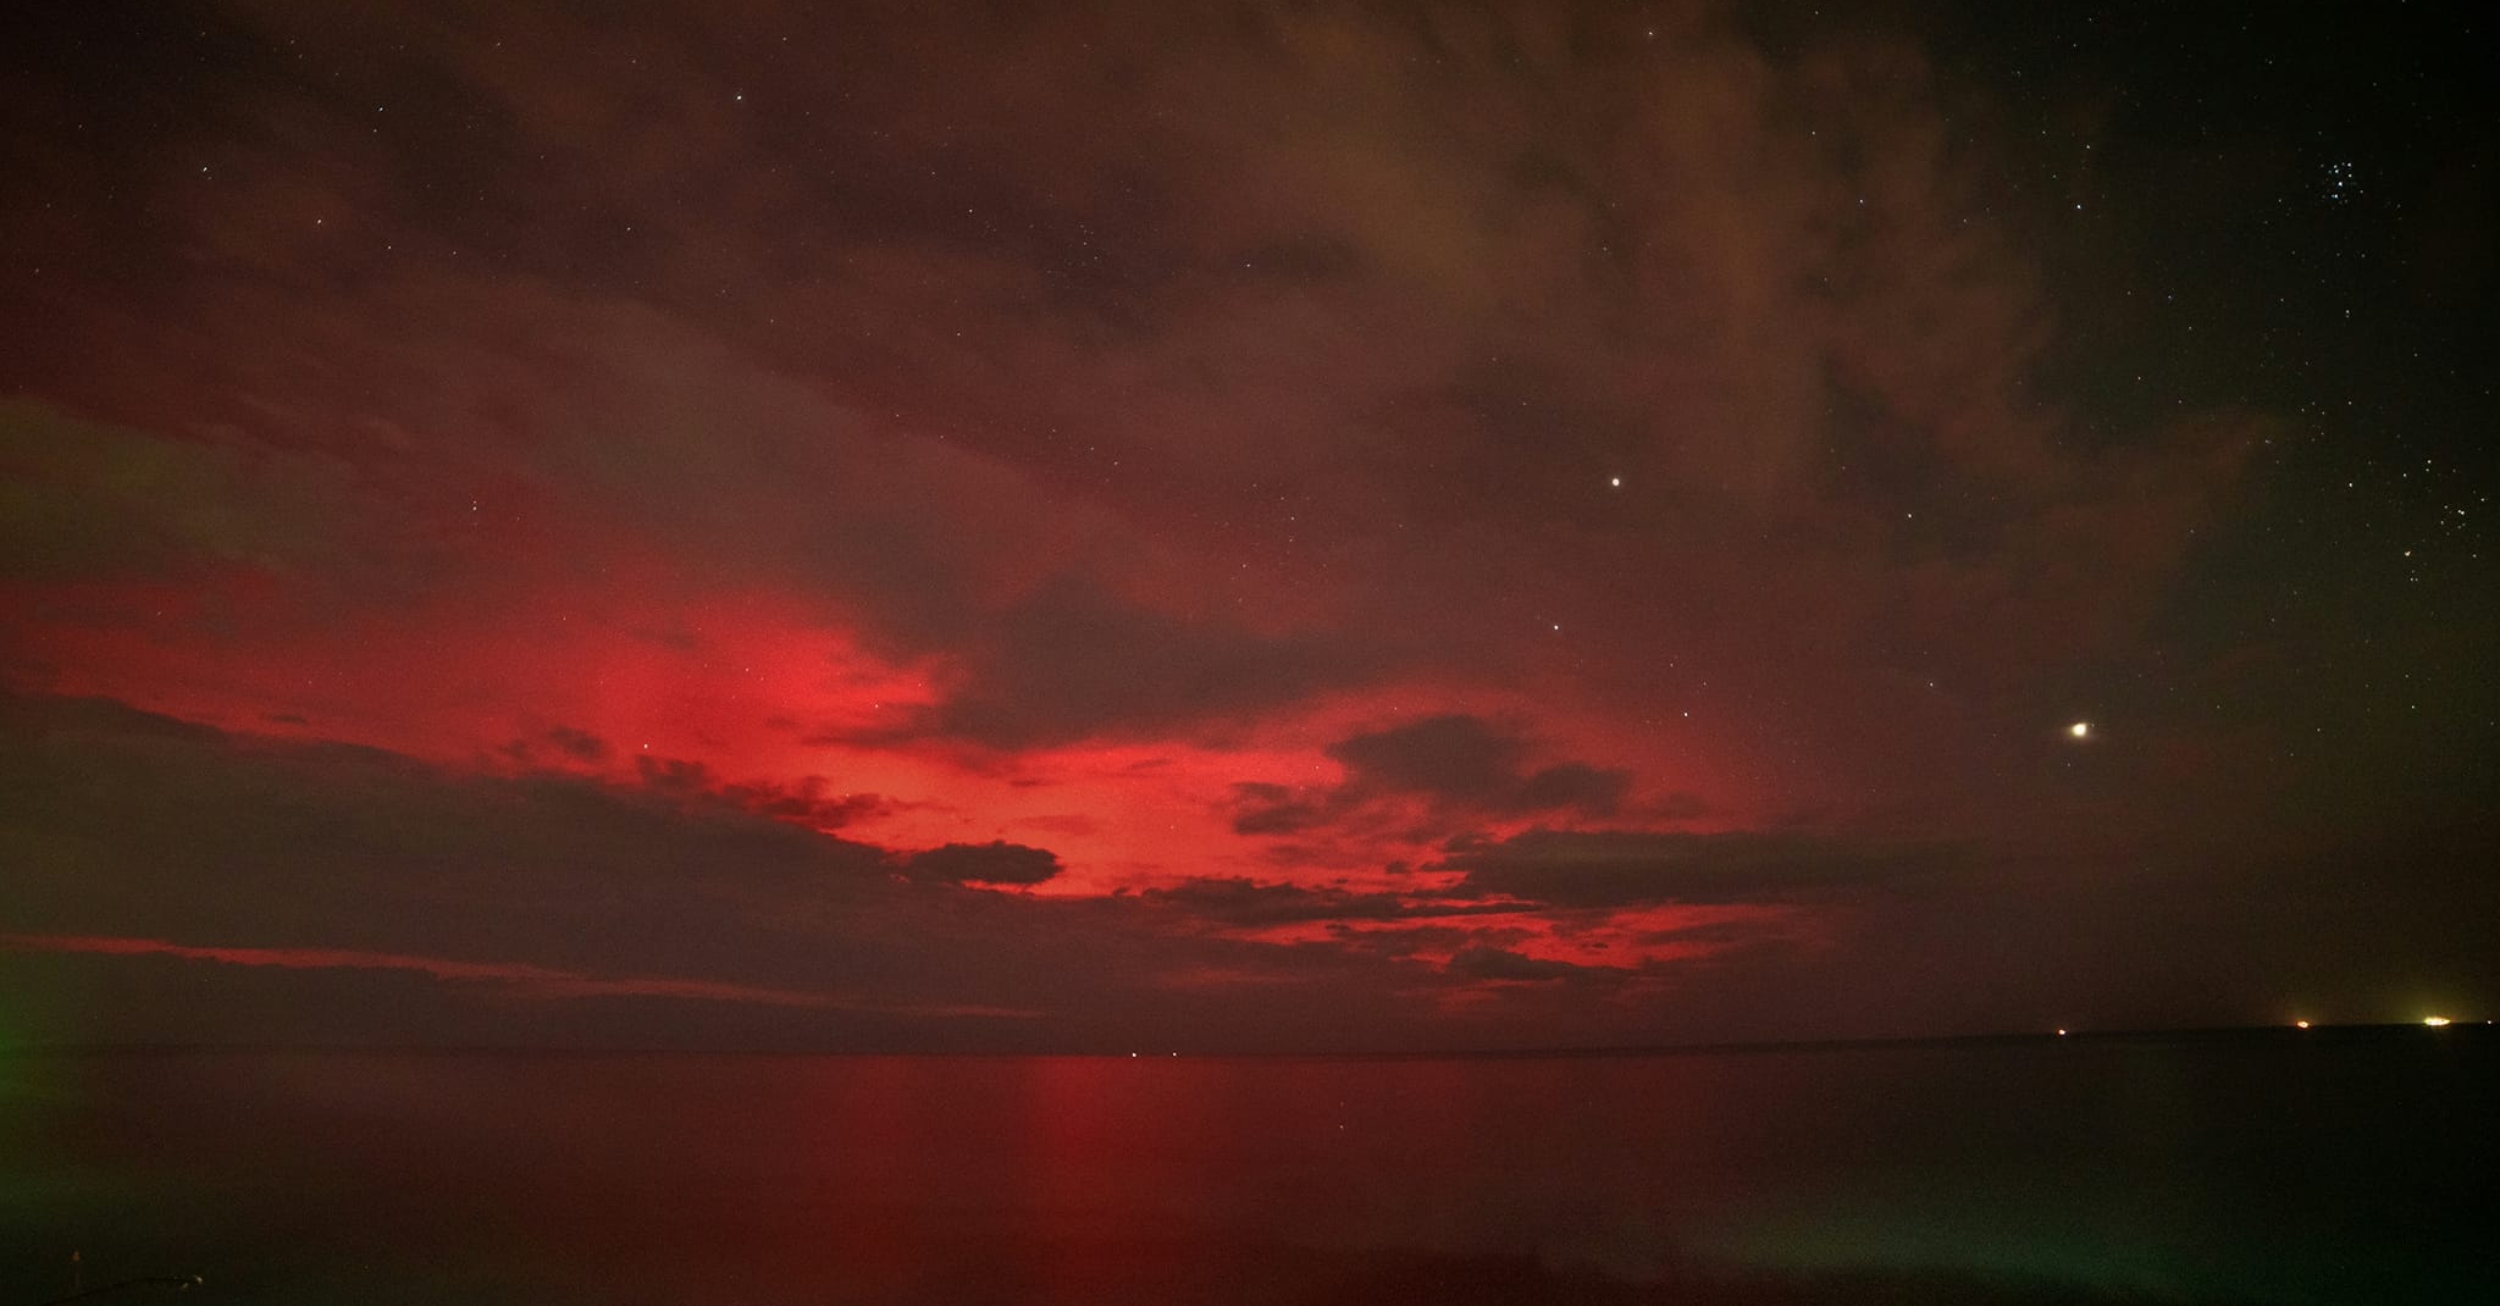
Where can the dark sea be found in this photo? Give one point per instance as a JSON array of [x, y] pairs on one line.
[[2327, 1166]]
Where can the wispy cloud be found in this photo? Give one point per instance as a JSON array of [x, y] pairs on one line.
[[520, 977]]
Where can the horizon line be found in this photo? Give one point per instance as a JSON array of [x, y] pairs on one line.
[[2068, 1035]]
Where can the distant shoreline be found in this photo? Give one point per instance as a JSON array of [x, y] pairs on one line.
[[2460, 1030]]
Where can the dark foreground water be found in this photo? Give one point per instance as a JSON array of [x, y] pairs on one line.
[[2328, 1167]]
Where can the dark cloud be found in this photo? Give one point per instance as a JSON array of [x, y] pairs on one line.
[[1467, 761], [1566, 868], [1072, 661], [1234, 901], [1485, 962], [1454, 761], [1453, 757], [1262, 808], [1575, 786], [996, 862], [34, 718], [148, 827], [1423, 940], [675, 776], [809, 801], [1237, 901], [580, 745]]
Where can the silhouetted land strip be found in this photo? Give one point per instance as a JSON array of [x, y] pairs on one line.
[[2475, 1033]]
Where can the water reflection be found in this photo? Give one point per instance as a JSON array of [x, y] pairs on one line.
[[2308, 1172]]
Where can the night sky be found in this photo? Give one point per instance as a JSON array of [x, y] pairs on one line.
[[1243, 526]]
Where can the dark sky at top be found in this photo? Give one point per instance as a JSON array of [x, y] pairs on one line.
[[1243, 526]]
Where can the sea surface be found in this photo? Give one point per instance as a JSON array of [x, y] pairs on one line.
[[2326, 1166]]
